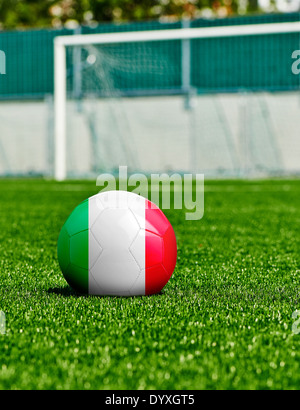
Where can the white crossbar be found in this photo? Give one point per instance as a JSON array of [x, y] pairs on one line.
[[179, 34]]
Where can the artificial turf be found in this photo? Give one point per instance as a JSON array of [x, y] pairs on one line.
[[224, 321]]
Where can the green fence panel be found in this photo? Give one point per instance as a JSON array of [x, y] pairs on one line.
[[220, 64]]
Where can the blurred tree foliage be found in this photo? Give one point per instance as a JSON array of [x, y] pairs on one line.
[[47, 13]]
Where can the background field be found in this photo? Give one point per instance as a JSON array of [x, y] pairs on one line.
[[224, 321]]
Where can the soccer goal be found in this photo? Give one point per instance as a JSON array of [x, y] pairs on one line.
[[215, 100]]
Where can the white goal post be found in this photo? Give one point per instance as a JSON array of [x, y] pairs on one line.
[[60, 69]]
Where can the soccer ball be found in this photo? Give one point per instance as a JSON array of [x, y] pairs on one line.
[[117, 243]]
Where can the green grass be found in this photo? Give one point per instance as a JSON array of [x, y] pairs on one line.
[[224, 321]]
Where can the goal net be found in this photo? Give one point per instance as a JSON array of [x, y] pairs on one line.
[[219, 101]]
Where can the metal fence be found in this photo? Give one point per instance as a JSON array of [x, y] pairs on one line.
[[240, 116], [29, 59]]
